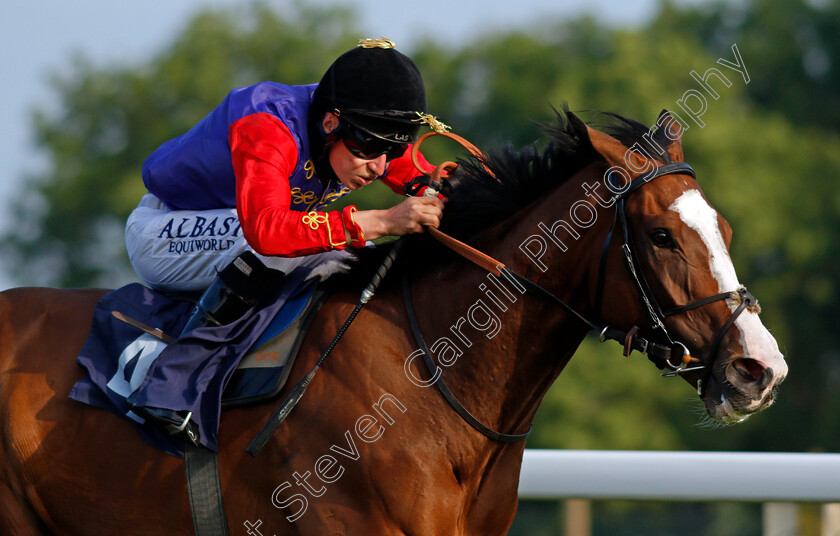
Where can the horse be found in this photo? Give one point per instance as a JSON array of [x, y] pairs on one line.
[[371, 448]]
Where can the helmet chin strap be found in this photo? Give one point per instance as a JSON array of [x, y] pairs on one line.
[[319, 145]]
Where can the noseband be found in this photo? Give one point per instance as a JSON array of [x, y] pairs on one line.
[[674, 355]]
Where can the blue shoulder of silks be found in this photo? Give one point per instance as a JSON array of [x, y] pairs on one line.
[[194, 171]]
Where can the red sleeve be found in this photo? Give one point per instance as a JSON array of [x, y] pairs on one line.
[[401, 170], [264, 157]]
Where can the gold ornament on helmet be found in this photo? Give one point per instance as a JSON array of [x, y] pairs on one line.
[[382, 42], [434, 123]]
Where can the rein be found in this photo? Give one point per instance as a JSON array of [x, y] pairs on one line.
[[259, 441], [440, 384], [659, 354], [662, 355]]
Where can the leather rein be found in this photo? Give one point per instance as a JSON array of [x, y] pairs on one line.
[[673, 356]]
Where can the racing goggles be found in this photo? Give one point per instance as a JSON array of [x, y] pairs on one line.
[[367, 146]]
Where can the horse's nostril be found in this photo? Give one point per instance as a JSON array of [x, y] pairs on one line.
[[749, 369]]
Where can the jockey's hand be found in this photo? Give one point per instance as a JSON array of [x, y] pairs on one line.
[[410, 216]]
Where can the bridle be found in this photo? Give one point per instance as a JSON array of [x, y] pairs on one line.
[[673, 355], [659, 354]]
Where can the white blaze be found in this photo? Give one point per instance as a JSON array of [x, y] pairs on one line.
[[756, 341]]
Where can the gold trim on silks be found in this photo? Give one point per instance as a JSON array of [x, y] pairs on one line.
[[314, 220], [434, 123], [382, 42], [332, 196], [311, 199], [334, 245], [309, 167], [353, 221], [303, 198]]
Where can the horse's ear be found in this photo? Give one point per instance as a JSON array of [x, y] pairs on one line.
[[610, 148], [673, 131], [577, 124], [615, 153]]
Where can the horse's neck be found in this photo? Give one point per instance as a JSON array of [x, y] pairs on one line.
[[513, 345]]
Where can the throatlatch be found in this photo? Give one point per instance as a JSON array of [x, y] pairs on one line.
[[675, 355]]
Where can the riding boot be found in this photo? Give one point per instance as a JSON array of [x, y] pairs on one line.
[[235, 290]]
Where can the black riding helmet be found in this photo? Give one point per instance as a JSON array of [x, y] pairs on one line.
[[373, 88]]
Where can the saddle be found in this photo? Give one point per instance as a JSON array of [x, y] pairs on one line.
[[203, 372], [263, 372]]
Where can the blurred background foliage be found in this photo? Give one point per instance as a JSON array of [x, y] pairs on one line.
[[768, 159]]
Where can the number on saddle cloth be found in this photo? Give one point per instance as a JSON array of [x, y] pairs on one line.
[[119, 357]]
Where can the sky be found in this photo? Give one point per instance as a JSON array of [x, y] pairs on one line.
[[39, 38]]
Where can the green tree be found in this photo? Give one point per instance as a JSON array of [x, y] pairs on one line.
[[793, 46]]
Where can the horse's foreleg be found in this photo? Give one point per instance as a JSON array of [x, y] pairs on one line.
[[40, 330]]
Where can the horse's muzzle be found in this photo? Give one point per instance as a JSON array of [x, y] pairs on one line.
[[742, 387]]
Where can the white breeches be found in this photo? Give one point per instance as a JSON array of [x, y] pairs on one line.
[[184, 249]]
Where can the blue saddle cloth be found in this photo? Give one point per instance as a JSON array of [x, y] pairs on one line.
[[188, 374]]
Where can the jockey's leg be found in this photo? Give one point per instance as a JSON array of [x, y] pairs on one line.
[[235, 290], [189, 250], [184, 250], [181, 250]]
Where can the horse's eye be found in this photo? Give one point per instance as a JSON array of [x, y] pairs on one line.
[[662, 239]]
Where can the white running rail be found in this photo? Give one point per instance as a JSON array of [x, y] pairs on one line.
[[777, 479], [680, 476]]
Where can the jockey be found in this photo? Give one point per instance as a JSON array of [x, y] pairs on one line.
[[257, 172], [239, 199]]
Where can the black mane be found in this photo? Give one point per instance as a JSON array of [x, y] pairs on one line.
[[482, 198], [519, 178]]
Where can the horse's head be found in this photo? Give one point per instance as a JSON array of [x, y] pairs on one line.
[[679, 247]]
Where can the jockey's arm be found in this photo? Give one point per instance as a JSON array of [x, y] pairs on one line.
[[264, 156], [412, 214]]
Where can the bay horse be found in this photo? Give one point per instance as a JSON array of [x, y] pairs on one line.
[[371, 449]]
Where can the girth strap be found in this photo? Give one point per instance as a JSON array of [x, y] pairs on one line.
[[441, 385], [204, 490]]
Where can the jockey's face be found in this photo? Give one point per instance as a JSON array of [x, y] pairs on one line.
[[352, 171]]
